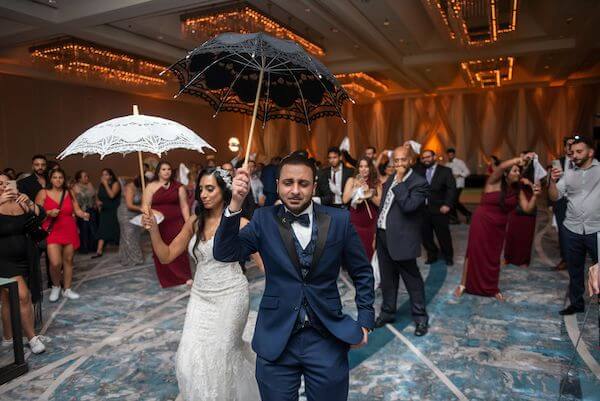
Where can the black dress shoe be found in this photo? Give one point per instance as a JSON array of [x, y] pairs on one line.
[[96, 256], [382, 321], [571, 310], [421, 329], [430, 261]]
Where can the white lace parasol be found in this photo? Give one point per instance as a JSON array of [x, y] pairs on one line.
[[135, 133]]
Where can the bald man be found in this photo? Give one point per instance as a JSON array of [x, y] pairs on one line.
[[398, 237]]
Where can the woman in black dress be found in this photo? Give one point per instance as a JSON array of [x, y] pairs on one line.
[[109, 198], [18, 259]]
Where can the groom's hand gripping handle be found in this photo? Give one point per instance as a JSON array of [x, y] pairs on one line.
[[365, 339], [239, 190]]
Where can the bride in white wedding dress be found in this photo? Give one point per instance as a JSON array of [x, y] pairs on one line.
[[213, 362]]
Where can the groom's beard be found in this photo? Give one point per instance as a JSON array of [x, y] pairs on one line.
[[296, 209]]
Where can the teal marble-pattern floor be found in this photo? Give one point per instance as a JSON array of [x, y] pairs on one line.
[[118, 342]]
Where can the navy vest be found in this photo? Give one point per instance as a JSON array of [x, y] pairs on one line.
[[305, 258]]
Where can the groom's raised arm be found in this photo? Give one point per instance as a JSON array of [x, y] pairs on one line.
[[359, 267], [232, 244]]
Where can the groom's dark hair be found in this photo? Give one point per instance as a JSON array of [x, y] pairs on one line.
[[298, 158]]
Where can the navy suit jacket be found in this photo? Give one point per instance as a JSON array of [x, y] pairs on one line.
[[337, 244], [405, 217]]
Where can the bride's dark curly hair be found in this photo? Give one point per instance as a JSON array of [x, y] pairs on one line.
[[200, 211]]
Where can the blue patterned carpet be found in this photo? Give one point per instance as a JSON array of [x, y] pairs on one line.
[[118, 341]]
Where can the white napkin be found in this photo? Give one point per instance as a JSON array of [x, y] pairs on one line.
[[359, 194], [183, 174], [539, 172], [416, 146], [345, 145]]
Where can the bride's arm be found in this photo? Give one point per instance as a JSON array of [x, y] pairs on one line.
[[255, 256], [167, 253]]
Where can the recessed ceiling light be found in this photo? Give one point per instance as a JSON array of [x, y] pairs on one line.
[[307, 10], [568, 20], [386, 22], [546, 67], [401, 40], [427, 69], [160, 37], [356, 46], [334, 30]]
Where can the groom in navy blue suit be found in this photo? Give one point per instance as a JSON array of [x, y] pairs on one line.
[[300, 329]]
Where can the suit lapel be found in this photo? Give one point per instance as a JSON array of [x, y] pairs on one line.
[[285, 230], [322, 220]]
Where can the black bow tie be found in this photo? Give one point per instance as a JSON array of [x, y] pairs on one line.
[[290, 218]]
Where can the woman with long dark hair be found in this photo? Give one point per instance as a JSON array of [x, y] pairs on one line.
[[481, 271], [169, 197], [109, 199], [213, 362], [19, 260], [363, 193], [63, 240], [521, 224]]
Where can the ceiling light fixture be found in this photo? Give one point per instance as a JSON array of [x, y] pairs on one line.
[[90, 61], [488, 73], [240, 18]]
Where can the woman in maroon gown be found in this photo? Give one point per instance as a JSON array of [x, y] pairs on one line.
[[481, 271], [520, 231], [169, 197], [363, 193]]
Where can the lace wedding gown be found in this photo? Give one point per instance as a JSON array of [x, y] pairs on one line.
[[213, 362]]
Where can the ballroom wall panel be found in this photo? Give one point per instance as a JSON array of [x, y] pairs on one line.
[[38, 116]]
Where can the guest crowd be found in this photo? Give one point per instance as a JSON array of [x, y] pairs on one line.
[[399, 201]]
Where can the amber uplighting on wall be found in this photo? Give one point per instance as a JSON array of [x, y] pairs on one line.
[[90, 61], [240, 18], [488, 73]]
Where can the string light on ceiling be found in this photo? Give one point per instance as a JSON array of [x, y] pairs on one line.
[[476, 22], [360, 85], [90, 61], [240, 18], [488, 73]]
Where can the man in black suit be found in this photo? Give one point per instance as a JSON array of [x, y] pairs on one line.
[[31, 185], [436, 218], [399, 240], [331, 180]]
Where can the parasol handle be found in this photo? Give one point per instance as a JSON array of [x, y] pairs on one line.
[[136, 111], [251, 132]]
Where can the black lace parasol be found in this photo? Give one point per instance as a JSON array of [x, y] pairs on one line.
[[262, 76]]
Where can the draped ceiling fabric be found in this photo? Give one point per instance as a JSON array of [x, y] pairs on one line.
[[38, 116]]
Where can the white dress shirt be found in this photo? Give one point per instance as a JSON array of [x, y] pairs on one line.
[[303, 234], [389, 199], [459, 170], [338, 183]]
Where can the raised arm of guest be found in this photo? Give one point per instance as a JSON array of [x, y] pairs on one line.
[[528, 204], [377, 192], [348, 190], [112, 190], [498, 173], [183, 203]]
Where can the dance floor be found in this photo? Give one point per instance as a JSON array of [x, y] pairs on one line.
[[118, 342]]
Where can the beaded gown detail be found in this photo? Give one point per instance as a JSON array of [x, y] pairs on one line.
[[213, 362]]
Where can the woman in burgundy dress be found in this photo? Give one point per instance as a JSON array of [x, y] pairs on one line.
[[169, 197], [521, 230], [363, 193], [481, 271]]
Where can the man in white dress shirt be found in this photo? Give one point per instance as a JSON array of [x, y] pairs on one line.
[[460, 172], [332, 180]]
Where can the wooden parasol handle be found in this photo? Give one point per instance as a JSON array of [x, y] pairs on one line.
[[136, 111], [251, 132]]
